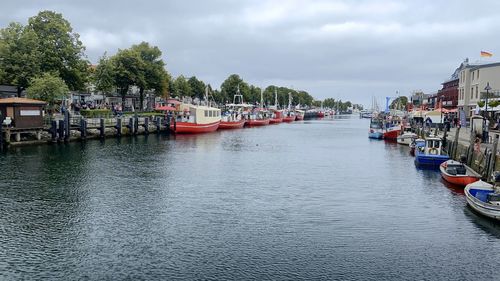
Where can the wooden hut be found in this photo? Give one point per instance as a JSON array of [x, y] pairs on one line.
[[25, 113]]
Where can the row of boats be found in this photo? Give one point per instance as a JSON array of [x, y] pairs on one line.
[[481, 196], [188, 118]]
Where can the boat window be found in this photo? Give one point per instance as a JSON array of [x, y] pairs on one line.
[[210, 113], [206, 113]]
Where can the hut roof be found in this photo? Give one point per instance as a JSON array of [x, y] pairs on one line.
[[21, 101]]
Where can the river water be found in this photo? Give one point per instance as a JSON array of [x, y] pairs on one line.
[[307, 200]]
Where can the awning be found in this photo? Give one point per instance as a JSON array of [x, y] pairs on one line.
[[164, 108]]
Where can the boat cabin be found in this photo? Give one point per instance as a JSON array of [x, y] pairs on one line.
[[433, 146], [197, 114]]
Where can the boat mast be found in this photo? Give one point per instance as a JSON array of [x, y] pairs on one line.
[[289, 101], [275, 98], [206, 96]]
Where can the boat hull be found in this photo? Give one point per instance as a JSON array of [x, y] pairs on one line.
[[289, 119], [392, 135], [275, 120], [430, 161], [257, 122], [193, 128], [460, 180], [299, 117], [375, 135], [472, 195], [231, 125]]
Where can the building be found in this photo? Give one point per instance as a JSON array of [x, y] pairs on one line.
[[448, 95], [23, 113], [473, 78]]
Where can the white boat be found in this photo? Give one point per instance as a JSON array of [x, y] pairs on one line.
[[484, 198], [407, 137]]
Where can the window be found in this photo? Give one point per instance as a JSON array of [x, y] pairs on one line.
[[471, 93], [472, 75], [477, 92], [210, 114], [206, 113], [478, 74]]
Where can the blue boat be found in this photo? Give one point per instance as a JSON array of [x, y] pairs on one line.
[[431, 154], [376, 131], [484, 198]]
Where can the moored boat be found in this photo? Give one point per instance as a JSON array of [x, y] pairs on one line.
[[407, 137], [231, 123], [194, 119], [233, 117], [484, 198], [375, 131], [299, 114], [416, 144], [276, 114], [431, 155], [458, 173]]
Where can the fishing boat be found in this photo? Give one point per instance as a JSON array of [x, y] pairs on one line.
[[258, 117], [458, 173], [276, 114], [392, 128], [193, 119], [484, 198], [416, 144], [407, 137], [289, 114], [431, 154], [375, 131], [299, 114], [233, 117]]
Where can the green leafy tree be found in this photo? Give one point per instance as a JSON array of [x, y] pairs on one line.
[[197, 87], [399, 102], [19, 56], [154, 72], [104, 75], [48, 87], [230, 87], [128, 71], [182, 87], [61, 49]]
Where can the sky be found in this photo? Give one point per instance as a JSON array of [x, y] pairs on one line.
[[349, 50]]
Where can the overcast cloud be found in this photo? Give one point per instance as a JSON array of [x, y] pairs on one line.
[[341, 49]]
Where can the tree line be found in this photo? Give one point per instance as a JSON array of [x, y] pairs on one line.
[[47, 59]]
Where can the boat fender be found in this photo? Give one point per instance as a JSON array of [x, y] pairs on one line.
[[433, 151]]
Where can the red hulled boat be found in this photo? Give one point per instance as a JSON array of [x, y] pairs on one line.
[[236, 124], [299, 114], [457, 173], [193, 119]]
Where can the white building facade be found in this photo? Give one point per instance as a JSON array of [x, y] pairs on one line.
[[473, 79]]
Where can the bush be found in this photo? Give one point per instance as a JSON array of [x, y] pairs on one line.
[[96, 113]]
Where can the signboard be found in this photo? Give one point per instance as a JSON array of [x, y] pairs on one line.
[[29, 112], [463, 118]]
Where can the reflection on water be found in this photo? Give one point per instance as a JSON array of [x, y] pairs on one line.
[[307, 200]]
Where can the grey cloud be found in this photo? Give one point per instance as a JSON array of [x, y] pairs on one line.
[[343, 49]]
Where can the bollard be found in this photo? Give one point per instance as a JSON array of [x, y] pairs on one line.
[[157, 124], [83, 129], [101, 128], [130, 125], [118, 127], [67, 126], [53, 131], [61, 130], [146, 125], [455, 143], [493, 159]]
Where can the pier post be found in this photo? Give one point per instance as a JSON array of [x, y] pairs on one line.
[[136, 125], [493, 159], [130, 125], [67, 126], [1, 134], [157, 124], [470, 151], [101, 128], [61, 130], [83, 129], [455, 143], [53, 130], [118, 127], [146, 125]]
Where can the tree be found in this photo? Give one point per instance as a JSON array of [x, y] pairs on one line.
[[197, 87], [153, 71], [399, 102], [19, 56], [182, 87], [128, 71], [104, 75], [230, 87], [60, 48], [48, 87]]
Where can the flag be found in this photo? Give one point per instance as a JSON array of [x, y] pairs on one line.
[[486, 54]]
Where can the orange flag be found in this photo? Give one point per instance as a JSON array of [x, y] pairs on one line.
[[486, 54]]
